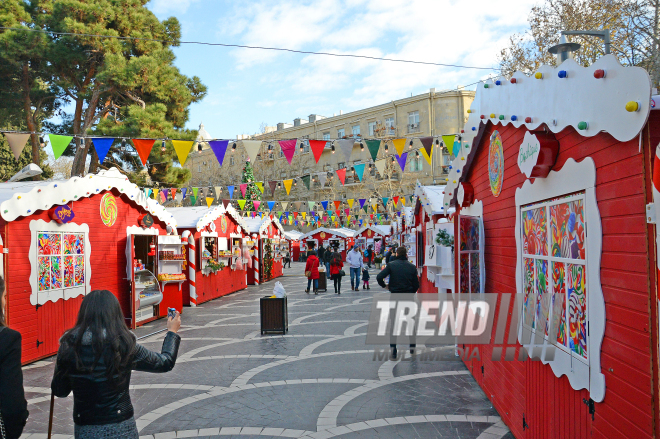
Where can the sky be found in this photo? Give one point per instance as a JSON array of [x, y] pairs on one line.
[[248, 87]]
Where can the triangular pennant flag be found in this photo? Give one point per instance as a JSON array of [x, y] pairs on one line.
[[17, 142], [219, 148], [287, 185], [341, 173], [325, 205], [347, 211], [243, 188], [402, 161], [284, 204], [374, 207], [448, 140], [101, 145], [380, 166], [403, 200], [455, 149], [230, 189], [241, 204], [273, 186], [143, 148], [304, 215], [226, 203], [183, 192], [59, 144], [147, 193], [256, 204], [195, 191], [317, 148], [209, 201], [373, 146], [346, 146], [252, 147], [296, 205], [163, 195], [260, 186], [182, 149], [306, 180], [399, 145], [359, 170], [288, 148], [395, 200], [385, 200], [310, 205], [295, 215], [427, 143], [337, 204], [173, 192], [271, 204], [218, 190], [427, 156], [362, 201], [350, 202], [193, 200], [323, 177]]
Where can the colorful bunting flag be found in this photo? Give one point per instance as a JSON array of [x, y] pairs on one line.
[[317, 148], [402, 161], [273, 186], [346, 147], [260, 186], [256, 204], [448, 140], [217, 190], [195, 191], [306, 180], [271, 204], [183, 192], [17, 142], [288, 148], [350, 202], [427, 143], [226, 203], [380, 166], [341, 173], [373, 146], [243, 188], [252, 147], [399, 145], [325, 205], [323, 177], [209, 201], [284, 204], [143, 148], [362, 201], [101, 146], [385, 200], [310, 205], [173, 192], [395, 200], [359, 170], [59, 144], [241, 204], [182, 149], [230, 189], [287, 185], [219, 148]]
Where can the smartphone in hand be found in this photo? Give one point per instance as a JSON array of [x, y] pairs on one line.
[[171, 312]]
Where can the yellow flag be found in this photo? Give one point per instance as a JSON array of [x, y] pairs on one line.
[[260, 185], [448, 140], [241, 204], [304, 215], [374, 207], [209, 201], [426, 156], [350, 202], [399, 144], [403, 200], [287, 185], [182, 148]]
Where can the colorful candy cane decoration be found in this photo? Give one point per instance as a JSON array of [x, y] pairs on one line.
[[190, 239], [256, 260]]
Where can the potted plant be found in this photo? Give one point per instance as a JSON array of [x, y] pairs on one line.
[[214, 265], [445, 239], [378, 260]]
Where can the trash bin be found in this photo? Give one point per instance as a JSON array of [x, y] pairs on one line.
[[274, 315], [323, 281]]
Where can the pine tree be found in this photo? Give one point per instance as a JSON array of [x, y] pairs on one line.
[[252, 193]]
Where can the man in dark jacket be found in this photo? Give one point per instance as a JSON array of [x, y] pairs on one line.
[[403, 279], [320, 252], [327, 258]]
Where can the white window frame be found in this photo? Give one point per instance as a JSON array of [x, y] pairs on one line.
[[372, 128], [341, 133], [475, 210], [413, 118], [326, 136], [572, 178], [42, 297], [355, 130], [389, 123]]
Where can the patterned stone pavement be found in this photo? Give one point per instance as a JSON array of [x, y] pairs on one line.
[[318, 381]]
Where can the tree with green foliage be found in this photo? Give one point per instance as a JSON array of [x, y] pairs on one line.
[[252, 192]]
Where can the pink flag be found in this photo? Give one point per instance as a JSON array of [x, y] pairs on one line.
[[256, 204], [243, 188], [288, 148]]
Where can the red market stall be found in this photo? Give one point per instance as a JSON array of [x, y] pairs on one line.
[[212, 236], [556, 189], [292, 237], [265, 235], [68, 238], [326, 237], [434, 261], [375, 236]]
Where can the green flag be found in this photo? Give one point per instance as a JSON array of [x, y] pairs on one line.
[[59, 144], [448, 140], [374, 146], [306, 179]]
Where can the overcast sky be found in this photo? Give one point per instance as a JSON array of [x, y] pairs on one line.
[[247, 87]]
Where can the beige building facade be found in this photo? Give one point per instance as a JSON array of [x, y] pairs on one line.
[[429, 114]]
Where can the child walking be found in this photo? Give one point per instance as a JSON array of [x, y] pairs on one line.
[[365, 278]]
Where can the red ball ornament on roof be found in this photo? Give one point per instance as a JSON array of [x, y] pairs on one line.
[[599, 74], [513, 81], [483, 116], [528, 119]]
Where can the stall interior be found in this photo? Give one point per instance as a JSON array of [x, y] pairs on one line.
[[337, 243], [146, 292]]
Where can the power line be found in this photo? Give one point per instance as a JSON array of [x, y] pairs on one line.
[[241, 46]]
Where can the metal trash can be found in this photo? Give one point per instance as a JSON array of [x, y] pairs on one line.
[[274, 315]]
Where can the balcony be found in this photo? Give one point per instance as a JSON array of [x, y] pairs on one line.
[[414, 128]]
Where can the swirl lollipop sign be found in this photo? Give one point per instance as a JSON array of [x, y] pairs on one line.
[[108, 210]]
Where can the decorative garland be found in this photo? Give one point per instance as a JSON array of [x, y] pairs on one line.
[[268, 260]]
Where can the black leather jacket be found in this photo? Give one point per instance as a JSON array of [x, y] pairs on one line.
[[96, 400], [403, 276]]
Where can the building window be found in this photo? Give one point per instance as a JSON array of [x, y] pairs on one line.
[[417, 164], [413, 121], [372, 129], [199, 168], [306, 147], [341, 133], [326, 136], [341, 165], [231, 161], [389, 123], [281, 153], [356, 131], [283, 174]]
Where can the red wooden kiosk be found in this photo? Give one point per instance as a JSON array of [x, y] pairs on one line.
[[293, 239], [375, 236], [212, 235], [326, 237], [264, 233], [67, 238], [543, 161]]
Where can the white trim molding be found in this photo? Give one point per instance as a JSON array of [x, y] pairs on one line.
[[572, 177]]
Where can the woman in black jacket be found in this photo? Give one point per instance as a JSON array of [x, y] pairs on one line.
[[95, 361], [13, 406]]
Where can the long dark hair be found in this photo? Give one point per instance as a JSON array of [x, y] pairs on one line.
[[2, 311], [100, 315]]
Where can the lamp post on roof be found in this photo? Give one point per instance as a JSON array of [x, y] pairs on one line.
[[564, 49]]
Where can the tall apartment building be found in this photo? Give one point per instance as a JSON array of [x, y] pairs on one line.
[[429, 114]]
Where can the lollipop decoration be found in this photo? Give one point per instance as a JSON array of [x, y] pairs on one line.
[[108, 210]]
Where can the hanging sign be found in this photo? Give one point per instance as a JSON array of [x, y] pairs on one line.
[[537, 154], [146, 221], [62, 214]]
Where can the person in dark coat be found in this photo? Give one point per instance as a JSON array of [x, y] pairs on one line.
[[403, 280], [369, 254], [95, 361], [321, 252], [388, 255], [13, 406], [327, 259]]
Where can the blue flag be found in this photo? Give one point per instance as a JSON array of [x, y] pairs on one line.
[[102, 146], [231, 191]]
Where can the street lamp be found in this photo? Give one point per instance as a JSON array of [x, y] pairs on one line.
[[563, 49]]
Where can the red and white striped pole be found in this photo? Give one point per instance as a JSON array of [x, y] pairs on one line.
[[191, 266], [255, 261]]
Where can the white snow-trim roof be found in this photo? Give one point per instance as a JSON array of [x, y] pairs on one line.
[[430, 198], [386, 228], [558, 103], [199, 217], [349, 233], [323, 229], [19, 199], [293, 235], [374, 229], [259, 225]]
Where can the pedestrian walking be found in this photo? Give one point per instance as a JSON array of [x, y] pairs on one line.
[[321, 252], [287, 260], [95, 361], [365, 278], [336, 271], [312, 272], [403, 279], [327, 259], [369, 254], [388, 255], [13, 406], [354, 259]]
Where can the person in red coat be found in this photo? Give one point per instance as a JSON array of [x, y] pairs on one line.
[[336, 266], [312, 271]]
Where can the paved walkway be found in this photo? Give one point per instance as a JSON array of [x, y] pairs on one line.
[[318, 381]]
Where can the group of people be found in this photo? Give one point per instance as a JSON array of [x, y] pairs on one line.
[[331, 260], [94, 361]]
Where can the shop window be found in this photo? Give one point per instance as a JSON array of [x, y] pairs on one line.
[[470, 255]]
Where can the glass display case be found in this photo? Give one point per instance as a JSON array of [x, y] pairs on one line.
[[147, 294]]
